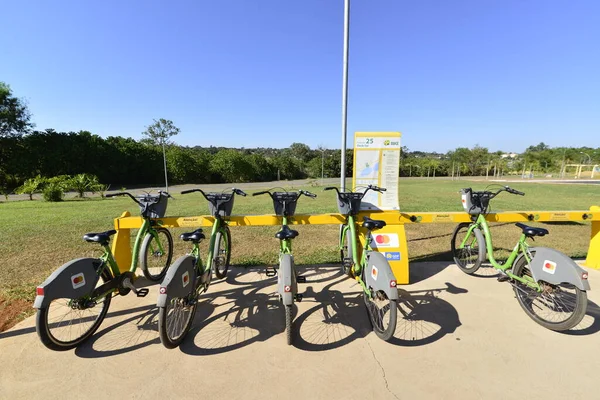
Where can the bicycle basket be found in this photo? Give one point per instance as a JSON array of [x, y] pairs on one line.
[[220, 204], [284, 203], [153, 206], [349, 203], [474, 203]]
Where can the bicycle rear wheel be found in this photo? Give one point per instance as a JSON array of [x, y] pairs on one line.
[[175, 320], [222, 253], [557, 307], [383, 313], [156, 253], [288, 324], [470, 257], [66, 323]]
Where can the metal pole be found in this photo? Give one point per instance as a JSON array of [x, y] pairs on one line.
[[322, 166], [345, 92], [165, 162]]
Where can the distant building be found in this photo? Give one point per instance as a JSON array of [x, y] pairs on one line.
[[509, 155]]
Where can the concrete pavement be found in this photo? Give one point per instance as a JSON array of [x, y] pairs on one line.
[[458, 336]]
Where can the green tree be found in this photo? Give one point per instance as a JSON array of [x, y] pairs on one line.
[[159, 134], [231, 166], [14, 115], [31, 186], [82, 183]]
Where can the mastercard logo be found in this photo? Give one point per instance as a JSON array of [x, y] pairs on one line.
[[382, 239], [550, 266], [186, 278], [78, 279]]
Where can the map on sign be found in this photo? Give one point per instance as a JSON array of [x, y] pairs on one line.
[[368, 166], [376, 162]]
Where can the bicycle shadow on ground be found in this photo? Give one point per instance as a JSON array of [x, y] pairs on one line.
[[340, 318], [590, 323], [130, 334], [249, 311], [424, 318]]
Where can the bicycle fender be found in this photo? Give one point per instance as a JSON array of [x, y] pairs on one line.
[[72, 280], [552, 266], [379, 275], [286, 281], [178, 281]]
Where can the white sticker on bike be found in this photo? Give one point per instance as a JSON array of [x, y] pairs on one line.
[[374, 272], [78, 280], [549, 267], [185, 278]]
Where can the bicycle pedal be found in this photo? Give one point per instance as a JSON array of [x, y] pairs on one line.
[[503, 278], [299, 297], [270, 272], [142, 292], [301, 279]]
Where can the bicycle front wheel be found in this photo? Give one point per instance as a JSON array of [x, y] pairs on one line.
[[383, 314], [66, 323], [556, 307], [222, 253], [156, 253], [346, 252], [472, 254], [175, 320]]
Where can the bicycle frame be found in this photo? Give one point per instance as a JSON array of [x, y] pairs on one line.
[[285, 245], [520, 248], [108, 258], [358, 264]]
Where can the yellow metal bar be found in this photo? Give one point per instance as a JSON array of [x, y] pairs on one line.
[[390, 217], [593, 256], [121, 244]]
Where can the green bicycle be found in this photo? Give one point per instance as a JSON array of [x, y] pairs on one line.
[[550, 287], [72, 303], [372, 271], [284, 204], [188, 278]]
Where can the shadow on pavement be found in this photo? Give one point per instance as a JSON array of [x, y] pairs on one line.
[[131, 334], [590, 323]]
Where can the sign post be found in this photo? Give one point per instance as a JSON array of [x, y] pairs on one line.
[[377, 162]]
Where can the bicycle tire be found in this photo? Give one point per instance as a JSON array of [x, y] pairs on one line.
[[460, 255], [222, 258], [346, 251], [388, 306], [44, 328], [288, 324], [172, 326], [526, 297], [147, 248]]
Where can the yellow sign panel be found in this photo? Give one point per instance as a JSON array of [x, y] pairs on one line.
[[377, 162]]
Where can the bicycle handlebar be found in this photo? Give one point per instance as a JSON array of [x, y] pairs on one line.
[[259, 193], [124, 194], [307, 193]]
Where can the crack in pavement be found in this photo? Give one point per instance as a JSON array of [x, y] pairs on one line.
[[382, 370]]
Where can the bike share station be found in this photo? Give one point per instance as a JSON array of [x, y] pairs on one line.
[[377, 156]]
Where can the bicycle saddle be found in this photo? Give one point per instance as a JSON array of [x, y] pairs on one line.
[[101, 238], [371, 224], [286, 233], [531, 231], [195, 236]]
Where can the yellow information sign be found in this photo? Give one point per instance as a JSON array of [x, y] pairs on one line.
[[377, 162]]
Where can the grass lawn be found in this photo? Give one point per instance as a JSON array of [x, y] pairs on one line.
[[37, 237]]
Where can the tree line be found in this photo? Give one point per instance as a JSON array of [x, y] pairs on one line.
[[28, 155]]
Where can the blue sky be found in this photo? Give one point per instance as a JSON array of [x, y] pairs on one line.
[[246, 73]]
